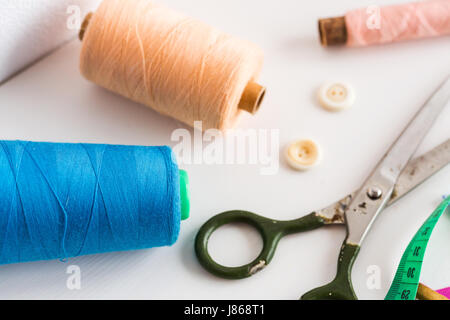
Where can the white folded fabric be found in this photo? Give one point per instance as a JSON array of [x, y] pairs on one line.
[[30, 29]]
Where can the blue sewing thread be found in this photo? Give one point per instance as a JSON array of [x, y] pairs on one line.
[[65, 200]]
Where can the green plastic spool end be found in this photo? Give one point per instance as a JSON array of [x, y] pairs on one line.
[[185, 196]]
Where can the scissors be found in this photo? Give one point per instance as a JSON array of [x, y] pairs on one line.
[[394, 176]]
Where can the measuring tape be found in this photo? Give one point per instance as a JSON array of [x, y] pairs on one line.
[[406, 280]]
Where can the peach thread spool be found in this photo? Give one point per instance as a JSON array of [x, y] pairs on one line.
[[390, 24], [174, 64]]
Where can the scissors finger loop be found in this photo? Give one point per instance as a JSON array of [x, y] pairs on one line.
[[270, 232]]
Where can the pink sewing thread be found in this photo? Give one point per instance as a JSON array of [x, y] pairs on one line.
[[398, 23]]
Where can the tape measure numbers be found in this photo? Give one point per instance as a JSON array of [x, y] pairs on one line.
[[406, 280]]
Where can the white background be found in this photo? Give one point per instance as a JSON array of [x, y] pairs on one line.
[[52, 102]]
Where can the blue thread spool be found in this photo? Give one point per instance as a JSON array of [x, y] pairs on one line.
[[65, 200]]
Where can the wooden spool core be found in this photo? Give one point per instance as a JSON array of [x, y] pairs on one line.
[[85, 25], [333, 31], [251, 98]]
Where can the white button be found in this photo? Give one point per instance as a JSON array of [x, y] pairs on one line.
[[336, 96], [303, 154]]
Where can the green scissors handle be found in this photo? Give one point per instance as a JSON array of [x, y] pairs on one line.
[[270, 230], [273, 230]]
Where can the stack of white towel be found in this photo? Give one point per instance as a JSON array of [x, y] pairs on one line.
[[29, 29]]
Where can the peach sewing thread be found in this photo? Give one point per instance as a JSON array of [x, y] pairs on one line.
[[174, 64], [363, 27]]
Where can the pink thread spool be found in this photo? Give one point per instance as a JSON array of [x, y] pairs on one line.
[[362, 27]]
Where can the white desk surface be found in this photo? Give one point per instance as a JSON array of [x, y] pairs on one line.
[[52, 102]]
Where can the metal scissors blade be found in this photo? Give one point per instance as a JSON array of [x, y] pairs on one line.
[[379, 186], [417, 171], [273, 230], [375, 194], [395, 176]]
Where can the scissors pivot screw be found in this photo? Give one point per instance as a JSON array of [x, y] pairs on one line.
[[374, 193]]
